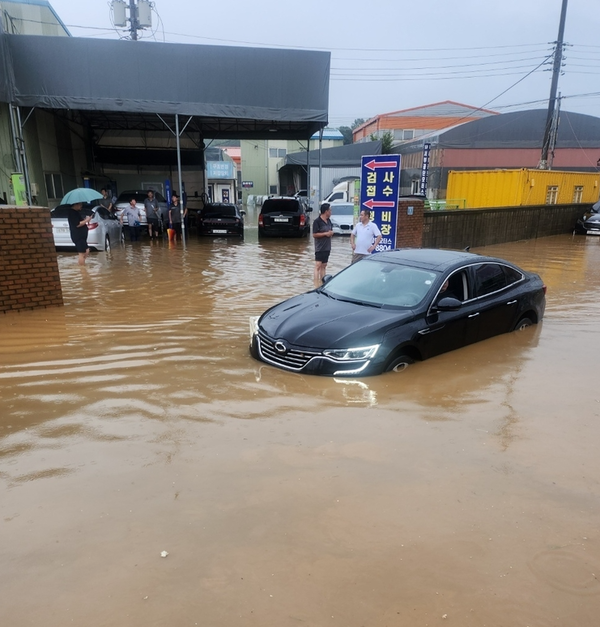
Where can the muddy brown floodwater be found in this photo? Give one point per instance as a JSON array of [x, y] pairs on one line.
[[464, 491]]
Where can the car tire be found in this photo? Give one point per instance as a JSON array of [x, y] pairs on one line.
[[106, 244], [523, 324], [399, 363]]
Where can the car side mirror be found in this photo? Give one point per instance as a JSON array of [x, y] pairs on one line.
[[309, 210], [327, 278], [448, 304], [242, 212]]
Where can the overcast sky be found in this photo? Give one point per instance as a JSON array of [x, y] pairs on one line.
[[395, 54]]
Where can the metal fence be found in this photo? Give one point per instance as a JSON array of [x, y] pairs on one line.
[[484, 227]]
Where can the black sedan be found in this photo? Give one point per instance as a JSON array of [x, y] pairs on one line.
[[394, 308], [221, 219], [589, 223]]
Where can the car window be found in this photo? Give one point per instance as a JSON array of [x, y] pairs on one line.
[[336, 196], [279, 205], [218, 210], [512, 275], [381, 283], [489, 277], [104, 213]]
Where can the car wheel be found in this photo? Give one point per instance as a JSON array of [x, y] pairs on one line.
[[399, 363], [523, 324], [106, 243]]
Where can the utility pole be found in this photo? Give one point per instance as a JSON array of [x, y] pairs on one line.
[[133, 20], [140, 15], [558, 53]]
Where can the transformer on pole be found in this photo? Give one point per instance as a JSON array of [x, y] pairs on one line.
[[140, 15]]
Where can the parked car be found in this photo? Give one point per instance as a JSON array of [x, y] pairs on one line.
[[221, 219], [394, 308], [342, 217], [104, 230], [284, 216], [140, 195], [589, 223]]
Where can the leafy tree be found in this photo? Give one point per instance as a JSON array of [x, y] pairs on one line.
[[387, 143], [346, 131]]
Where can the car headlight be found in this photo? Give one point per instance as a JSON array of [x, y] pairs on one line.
[[348, 354], [253, 326]]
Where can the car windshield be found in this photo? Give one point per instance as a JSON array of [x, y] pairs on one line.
[[382, 284], [139, 196], [218, 210], [342, 209], [280, 205]]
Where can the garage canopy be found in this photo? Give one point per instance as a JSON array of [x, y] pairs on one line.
[[227, 92]]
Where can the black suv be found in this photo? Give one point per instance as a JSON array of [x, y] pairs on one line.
[[284, 216]]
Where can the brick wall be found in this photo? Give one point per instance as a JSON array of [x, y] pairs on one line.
[[410, 223], [29, 276]]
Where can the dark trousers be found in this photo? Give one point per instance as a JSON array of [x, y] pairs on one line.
[[134, 233]]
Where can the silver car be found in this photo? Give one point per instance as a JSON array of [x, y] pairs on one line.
[[140, 195], [104, 230], [342, 217]]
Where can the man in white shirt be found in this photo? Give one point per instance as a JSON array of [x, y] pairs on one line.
[[365, 236]]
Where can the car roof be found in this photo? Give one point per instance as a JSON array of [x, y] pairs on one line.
[[432, 258]]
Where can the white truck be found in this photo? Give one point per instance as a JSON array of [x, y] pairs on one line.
[[346, 190]]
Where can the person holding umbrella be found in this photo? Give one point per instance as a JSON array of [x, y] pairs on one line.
[[78, 223], [78, 226]]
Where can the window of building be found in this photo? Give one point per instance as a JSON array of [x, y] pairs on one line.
[[54, 186], [277, 153], [551, 194], [272, 189], [408, 134], [273, 153], [415, 186], [578, 193]]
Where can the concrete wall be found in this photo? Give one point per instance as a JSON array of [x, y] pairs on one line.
[[29, 277]]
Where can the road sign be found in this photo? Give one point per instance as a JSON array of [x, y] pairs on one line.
[[379, 186]]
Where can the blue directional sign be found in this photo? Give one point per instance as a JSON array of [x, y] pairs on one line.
[[379, 186]]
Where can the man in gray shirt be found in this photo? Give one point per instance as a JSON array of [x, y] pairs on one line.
[[152, 214]]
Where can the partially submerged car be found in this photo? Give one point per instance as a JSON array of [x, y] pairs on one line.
[[140, 195], [104, 230], [221, 219], [589, 223], [284, 216], [342, 217], [394, 308]]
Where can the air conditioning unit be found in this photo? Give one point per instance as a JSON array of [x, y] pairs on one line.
[[35, 189]]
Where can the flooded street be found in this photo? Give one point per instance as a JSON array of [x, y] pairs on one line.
[[464, 491]]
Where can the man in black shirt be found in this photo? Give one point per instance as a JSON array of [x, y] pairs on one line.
[[322, 233], [78, 226]]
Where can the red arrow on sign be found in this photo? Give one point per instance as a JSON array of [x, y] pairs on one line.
[[379, 203], [381, 164]]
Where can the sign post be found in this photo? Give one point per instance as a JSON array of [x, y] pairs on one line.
[[379, 186]]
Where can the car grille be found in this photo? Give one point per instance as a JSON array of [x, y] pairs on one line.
[[293, 359]]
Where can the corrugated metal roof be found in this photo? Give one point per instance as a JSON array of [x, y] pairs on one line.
[[520, 129]]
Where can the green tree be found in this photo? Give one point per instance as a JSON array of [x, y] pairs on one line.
[[346, 131]]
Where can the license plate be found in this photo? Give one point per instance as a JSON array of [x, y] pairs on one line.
[[593, 232], [280, 220], [220, 231], [61, 230]]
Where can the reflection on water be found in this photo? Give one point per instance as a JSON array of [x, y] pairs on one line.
[[134, 420]]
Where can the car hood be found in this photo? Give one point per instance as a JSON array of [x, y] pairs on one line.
[[594, 218], [317, 321]]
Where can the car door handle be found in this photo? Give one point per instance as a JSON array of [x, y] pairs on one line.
[[512, 302], [474, 315], [431, 329]]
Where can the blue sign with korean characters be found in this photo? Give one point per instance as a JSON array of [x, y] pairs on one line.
[[379, 185]]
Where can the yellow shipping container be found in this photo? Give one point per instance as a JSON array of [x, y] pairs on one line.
[[516, 188]]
